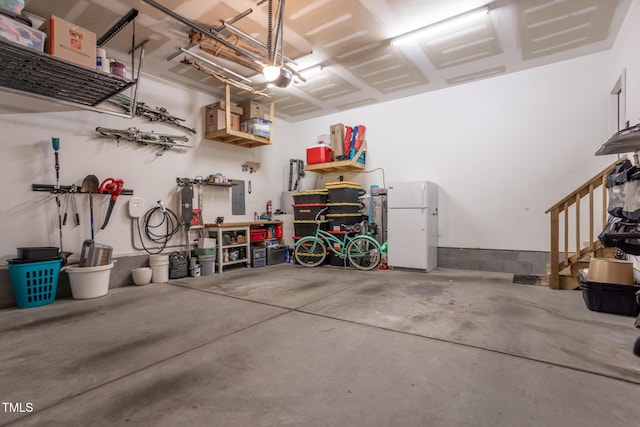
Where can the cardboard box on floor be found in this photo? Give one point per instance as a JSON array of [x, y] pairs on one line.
[[69, 41], [603, 270]]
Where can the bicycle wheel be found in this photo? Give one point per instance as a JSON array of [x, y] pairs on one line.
[[363, 253], [310, 251]]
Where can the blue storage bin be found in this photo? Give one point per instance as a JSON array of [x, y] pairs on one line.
[[35, 283]]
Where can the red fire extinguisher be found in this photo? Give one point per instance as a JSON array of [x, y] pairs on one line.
[[269, 208]]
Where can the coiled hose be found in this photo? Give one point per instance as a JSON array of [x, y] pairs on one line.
[[156, 219]]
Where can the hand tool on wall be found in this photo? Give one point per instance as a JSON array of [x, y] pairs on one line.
[[72, 194], [113, 187], [56, 146], [90, 185]]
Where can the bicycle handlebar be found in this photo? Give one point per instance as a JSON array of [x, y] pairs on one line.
[[320, 213]]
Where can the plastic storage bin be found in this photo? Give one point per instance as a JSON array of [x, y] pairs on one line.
[[275, 255], [307, 210], [256, 126], [308, 228], [346, 219], [43, 253], [610, 298], [344, 208], [35, 283], [310, 196], [21, 34], [257, 235]]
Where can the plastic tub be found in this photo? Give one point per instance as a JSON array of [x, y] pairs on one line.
[[308, 228], [310, 196], [141, 276], [89, 282], [307, 210], [610, 298]]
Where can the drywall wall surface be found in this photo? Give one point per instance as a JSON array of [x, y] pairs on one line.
[[502, 150], [31, 218], [624, 54]]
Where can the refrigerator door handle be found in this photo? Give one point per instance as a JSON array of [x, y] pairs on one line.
[[435, 212], [422, 195]]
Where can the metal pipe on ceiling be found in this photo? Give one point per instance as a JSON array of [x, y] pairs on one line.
[[202, 30]]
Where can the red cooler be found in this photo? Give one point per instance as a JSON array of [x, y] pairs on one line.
[[319, 154]]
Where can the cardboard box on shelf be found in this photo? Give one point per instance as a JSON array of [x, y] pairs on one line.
[[337, 139], [71, 42], [252, 109], [215, 120], [235, 109]]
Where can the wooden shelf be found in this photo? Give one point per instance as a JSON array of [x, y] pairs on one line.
[[235, 137], [341, 166]]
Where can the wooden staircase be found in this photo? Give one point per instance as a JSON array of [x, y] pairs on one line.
[[563, 273]]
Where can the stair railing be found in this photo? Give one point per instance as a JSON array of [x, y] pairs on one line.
[[562, 207]]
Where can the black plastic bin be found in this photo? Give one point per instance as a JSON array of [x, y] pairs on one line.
[[307, 227], [610, 298], [42, 253], [345, 195], [310, 196], [307, 211]]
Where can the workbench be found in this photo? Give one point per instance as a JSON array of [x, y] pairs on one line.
[[234, 238]]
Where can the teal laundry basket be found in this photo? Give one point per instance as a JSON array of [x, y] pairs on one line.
[[35, 283]]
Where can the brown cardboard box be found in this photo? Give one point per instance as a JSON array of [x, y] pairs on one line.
[[235, 109], [337, 139], [214, 120], [71, 42], [251, 109], [604, 270]]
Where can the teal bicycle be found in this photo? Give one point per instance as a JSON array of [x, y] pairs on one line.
[[362, 251]]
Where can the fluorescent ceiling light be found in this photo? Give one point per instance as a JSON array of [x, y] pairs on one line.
[[452, 22]]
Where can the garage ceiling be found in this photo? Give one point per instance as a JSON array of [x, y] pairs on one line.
[[350, 39]]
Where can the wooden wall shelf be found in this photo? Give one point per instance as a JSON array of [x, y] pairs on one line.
[[340, 166], [235, 137]]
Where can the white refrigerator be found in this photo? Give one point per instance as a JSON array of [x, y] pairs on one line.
[[412, 227]]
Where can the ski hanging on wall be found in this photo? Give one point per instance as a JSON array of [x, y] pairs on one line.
[[165, 142], [157, 114]]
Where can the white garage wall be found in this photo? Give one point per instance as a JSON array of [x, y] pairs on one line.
[[502, 151], [30, 218], [625, 55]]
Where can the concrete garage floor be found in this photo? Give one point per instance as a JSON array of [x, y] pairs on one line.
[[290, 346]]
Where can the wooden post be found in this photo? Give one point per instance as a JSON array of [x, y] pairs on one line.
[[578, 243], [566, 234], [591, 219], [554, 276], [604, 201], [227, 108]]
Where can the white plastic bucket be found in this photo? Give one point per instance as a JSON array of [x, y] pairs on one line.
[[159, 268], [89, 282]]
